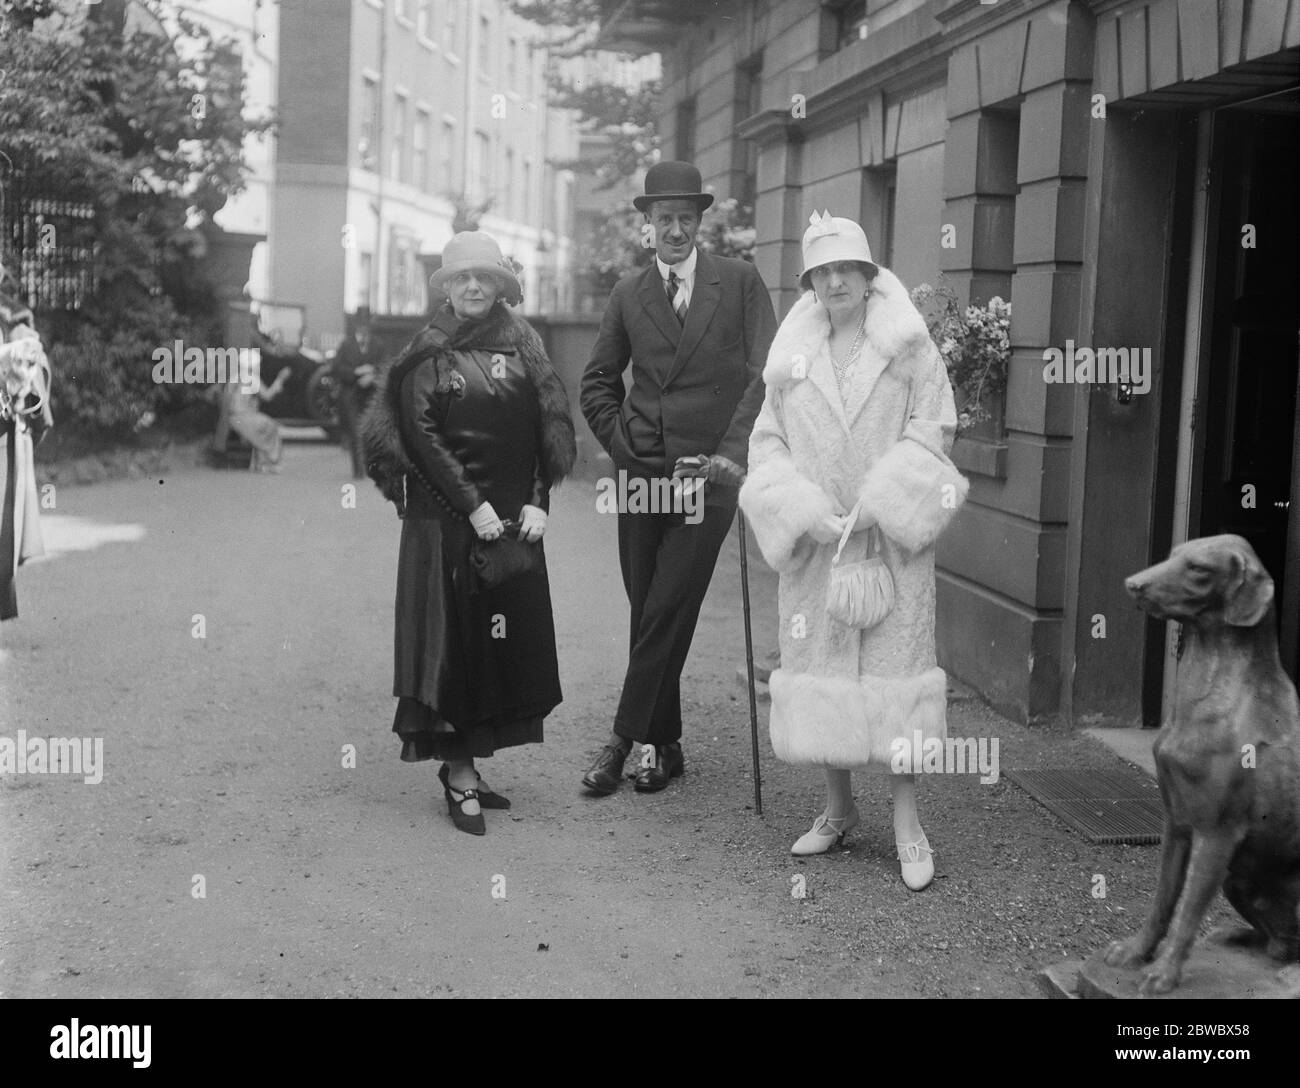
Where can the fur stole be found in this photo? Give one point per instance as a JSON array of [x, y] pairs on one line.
[[895, 328], [387, 462]]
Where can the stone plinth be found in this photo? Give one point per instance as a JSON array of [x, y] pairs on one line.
[[1214, 969]]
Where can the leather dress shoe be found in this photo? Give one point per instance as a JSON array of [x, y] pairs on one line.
[[486, 798], [668, 764], [607, 772]]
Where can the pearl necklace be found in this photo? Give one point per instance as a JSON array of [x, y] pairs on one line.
[[841, 368]]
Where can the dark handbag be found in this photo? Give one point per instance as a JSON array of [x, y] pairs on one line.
[[497, 561]]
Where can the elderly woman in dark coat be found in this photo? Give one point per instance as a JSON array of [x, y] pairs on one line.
[[470, 430]]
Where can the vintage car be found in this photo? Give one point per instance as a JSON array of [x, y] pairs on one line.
[[309, 396]]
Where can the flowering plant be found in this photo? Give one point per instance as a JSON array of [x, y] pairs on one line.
[[728, 230], [975, 344]]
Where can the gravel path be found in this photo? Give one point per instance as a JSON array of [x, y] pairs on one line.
[[224, 759]]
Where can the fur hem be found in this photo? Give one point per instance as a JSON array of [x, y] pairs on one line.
[[894, 327], [913, 494], [832, 721], [782, 505]]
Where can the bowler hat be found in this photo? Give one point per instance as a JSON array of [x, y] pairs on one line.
[[831, 238], [672, 180], [477, 251]]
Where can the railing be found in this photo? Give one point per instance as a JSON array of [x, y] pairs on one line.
[[47, 246]]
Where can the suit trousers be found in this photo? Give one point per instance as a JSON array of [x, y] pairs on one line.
[[351, 408], [667, 565]]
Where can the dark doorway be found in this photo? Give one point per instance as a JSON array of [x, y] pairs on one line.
[[1246, 414]]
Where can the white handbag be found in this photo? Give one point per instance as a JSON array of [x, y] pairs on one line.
[[860, 594]]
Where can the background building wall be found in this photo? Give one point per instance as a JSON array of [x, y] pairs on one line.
[[255, 26], [430, 107]]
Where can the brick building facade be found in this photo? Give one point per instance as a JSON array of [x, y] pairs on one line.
[[389, 111], [1097, 163]]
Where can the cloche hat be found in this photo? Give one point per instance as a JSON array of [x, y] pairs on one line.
[[477, 251], [672, 180], [829, 239]]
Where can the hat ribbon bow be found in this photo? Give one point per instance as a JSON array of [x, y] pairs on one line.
[[822, 224]]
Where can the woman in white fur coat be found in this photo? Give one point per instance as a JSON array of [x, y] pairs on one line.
[[858, 413]]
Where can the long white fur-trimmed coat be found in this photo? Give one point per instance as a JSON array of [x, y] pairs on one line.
[[842, 695]]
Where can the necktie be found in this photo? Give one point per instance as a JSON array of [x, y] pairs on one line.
[[678, 305]]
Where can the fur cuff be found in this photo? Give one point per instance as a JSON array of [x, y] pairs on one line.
[[913, 494], [782, 506], [832, 721]]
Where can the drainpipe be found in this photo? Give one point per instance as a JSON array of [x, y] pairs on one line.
[[378, 263], [471, 119]]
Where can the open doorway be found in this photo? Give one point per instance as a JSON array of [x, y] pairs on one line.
[[1245, 471]]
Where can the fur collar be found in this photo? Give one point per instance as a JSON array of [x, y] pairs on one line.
[[894, 327], [386, 458]]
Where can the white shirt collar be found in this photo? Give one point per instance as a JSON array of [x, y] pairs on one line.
[[685, 269]]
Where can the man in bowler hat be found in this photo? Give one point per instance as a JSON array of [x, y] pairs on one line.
[[696, 329]]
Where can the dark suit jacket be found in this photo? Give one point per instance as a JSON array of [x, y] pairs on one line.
[[344, 367], [350, 356], [695, 389]]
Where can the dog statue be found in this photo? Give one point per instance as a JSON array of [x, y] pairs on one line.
[[1227, 760]]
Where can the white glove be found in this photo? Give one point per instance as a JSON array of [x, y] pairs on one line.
[[485, 523], [532, 523], [828, 530], [865, 520]]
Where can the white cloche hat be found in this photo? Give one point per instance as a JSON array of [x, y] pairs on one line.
[[829, 239]]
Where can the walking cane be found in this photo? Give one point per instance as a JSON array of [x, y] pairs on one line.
[[749, 664]]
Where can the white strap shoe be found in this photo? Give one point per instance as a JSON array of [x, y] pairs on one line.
[[825, 833], [917, 862]]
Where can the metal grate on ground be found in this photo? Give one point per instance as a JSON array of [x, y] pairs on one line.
[[1105, 806]]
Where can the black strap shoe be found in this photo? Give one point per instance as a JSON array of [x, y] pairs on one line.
[[473, 825], [486, 798], [491, 799], [669, 763], [607, 772]]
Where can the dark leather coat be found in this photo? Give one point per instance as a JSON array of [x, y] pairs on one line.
[[472, 412], [479, 443]]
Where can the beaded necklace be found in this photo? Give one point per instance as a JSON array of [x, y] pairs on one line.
[[841, 368]]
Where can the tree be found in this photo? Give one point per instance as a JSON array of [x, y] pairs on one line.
[[145, 126], [625, 116]]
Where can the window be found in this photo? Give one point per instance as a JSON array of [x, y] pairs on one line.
[[749, 86], [451, 26], [685, 135], [508, 198], [478, 170], [420, 150], [368, 145], [527, 190], [406, 280], [879, 199], [397, 155], [424, 18], [366, 273], [843, 23], [512, 60], [484, 45], [448, 155]]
